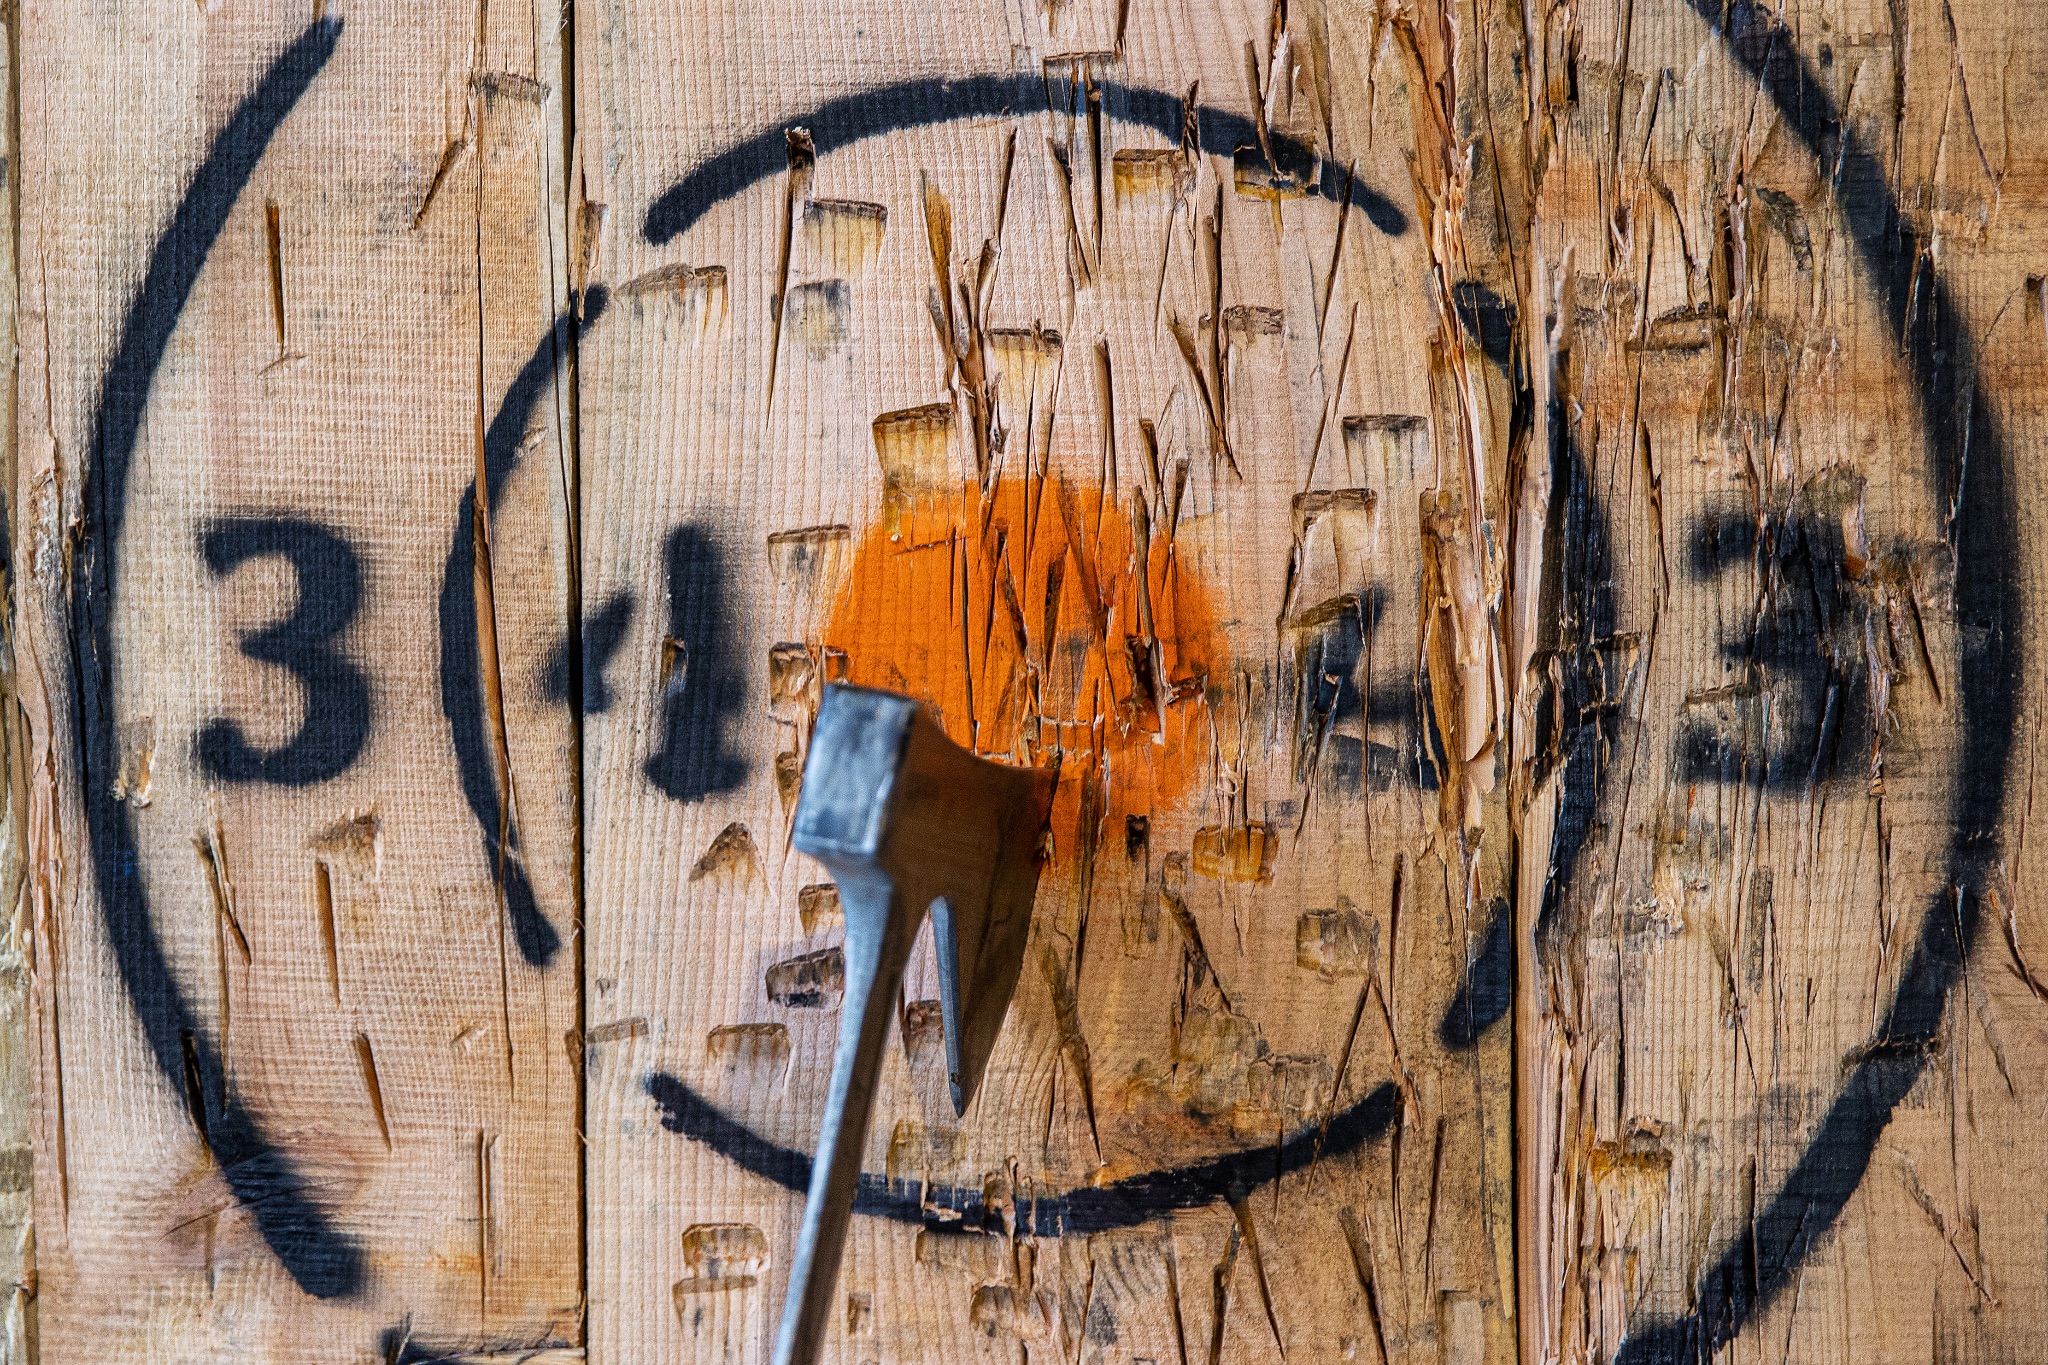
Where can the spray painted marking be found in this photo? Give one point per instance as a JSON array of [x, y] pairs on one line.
[[1748, 1276], [328, 586], [322, 1260], [1758, 1266], [932, 101], [462, 692], [1085, 1209]]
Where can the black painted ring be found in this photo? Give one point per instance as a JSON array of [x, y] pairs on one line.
[[327, 1263], [1750, 1273]]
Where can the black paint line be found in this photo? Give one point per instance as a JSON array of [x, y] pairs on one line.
[[1971, 462], [1488, 319], [1487, 989], [604, 630], [1125, 1203], [925, 103], [462, 687], [704, 687], [322, 1260], [1807, 651], [1576, 605]]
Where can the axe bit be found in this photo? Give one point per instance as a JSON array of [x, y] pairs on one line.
[[904, 819]]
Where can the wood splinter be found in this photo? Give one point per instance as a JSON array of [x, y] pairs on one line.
[[904, 819]]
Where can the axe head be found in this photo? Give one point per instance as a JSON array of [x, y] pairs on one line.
[[889, 801]]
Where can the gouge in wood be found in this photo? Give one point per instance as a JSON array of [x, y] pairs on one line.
[[904, 819]]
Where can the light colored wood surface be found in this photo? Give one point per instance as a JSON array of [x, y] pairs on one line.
[[1167, 1017], [1591, 500], [1767, 1105], [345, 975]]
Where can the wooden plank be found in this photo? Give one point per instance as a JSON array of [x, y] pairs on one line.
[[1775, 1055], [1158, 495], [17, 1152], [302, 1089], [1514, 528]]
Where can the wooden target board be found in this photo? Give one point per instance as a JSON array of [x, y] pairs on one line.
[[1511, 523]]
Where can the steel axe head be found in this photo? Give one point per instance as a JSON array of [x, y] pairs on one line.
[[905, 820], [888, 797]]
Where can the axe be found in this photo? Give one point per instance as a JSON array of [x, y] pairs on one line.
[[905, 820]]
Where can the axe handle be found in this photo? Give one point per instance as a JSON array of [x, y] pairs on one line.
[[881, 928]]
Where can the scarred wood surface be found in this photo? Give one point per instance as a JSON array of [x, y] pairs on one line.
[[1511, 518], [1060, 384], [299, 1093]]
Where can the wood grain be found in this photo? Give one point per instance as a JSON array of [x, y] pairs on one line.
[[298, 1097], [1126, 478], [1513, 521], [1760, 1071]]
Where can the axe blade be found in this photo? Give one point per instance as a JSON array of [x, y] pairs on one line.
[[904, 819]]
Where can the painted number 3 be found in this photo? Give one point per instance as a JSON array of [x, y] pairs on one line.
[[328, 589]]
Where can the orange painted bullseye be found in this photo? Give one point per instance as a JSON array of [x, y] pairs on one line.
[[1022, 616]]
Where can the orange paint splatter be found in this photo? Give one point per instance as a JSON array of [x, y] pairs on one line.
[[1022, 616]]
